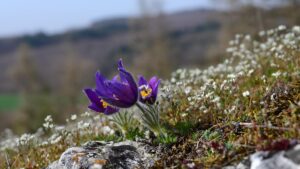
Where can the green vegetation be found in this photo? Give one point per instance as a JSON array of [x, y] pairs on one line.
[[212, 117], [9, 102]]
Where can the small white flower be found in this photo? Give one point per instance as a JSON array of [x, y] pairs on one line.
[[276, 74], [216, 99], [250, 72], [184, 114], [248, 37], [296, 29], [147, 134], [86, 125], [97, 117], [246, 93], [48, 122], [273, 97], [187, 90], [261, 33], [86, 114], [106, 130], [173, 80], [281, 27], [25, 139], [96, 166], [56, 140], [231, 76], [48, 118], [191, 165], [74, 117]]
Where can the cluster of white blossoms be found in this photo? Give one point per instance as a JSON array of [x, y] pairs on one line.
[[210, 88], [50, 133], [48, 124], [25, 139]]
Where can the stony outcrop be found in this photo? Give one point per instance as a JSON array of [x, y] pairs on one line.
[[289, 159], [97, 155], [133, 155]]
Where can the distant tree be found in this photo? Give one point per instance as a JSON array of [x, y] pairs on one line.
[[35, 105], [25, 73], [289, 2], [151, 42], [73, 79]]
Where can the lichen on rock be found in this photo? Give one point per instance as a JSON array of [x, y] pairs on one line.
[[97, 154]]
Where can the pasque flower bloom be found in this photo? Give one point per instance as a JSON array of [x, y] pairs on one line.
[[121, 91], [98, 104], [148, 90]]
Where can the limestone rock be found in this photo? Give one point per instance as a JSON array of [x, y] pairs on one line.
[[289, 159], [97, 155]]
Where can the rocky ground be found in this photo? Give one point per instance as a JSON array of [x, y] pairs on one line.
[[132, 155]]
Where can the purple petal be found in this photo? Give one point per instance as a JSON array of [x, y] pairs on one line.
[[110, 110], [155, 89], [99, 77], [130, 81], [115, 96], [121, 90], [142, 81], [117, 103], [120, 64], [102, 88], [96, 108], [155, 86], [153, 81], [91, 95], [115, 78], [95, 100], [100, 82]]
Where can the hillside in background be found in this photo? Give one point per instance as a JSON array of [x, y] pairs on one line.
[[193, 39], [191, 33]]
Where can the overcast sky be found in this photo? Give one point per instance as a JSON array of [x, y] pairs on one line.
[[30, 16]]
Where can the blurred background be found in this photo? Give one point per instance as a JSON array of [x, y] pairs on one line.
[[50, 50]]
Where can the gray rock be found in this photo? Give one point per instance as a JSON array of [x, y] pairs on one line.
[[244, 164], [289, 159], [55, 165], [98, 155]]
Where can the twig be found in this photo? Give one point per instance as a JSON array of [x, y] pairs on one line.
[[251, 125], [7, 161], [243, 145]]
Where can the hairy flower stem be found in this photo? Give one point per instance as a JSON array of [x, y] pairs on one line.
[[150, 119]]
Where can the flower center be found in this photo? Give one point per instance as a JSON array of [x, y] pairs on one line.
[[104, 103], [145, 91]]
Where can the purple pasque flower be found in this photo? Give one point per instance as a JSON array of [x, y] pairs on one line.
[[98, 104], [121, 91], [148, 90]]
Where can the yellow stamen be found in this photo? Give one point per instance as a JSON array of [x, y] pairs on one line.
[[104, 103], [145, 92]]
